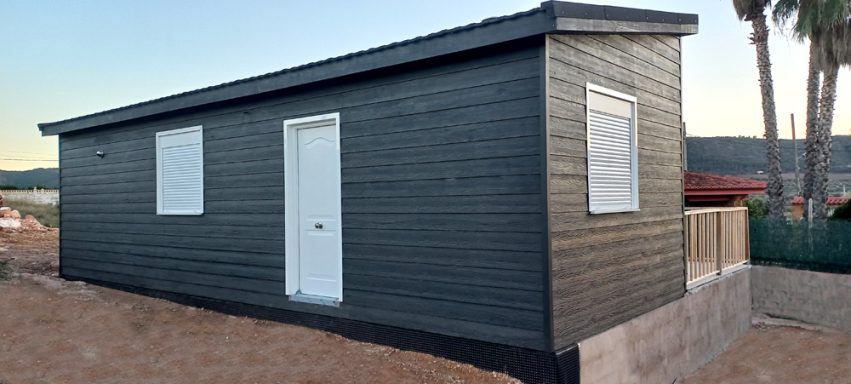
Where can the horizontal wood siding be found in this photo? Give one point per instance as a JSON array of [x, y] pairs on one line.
[[609, 268], [442, 203]]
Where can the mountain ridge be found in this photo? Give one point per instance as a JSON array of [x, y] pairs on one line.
[[39, 177], [729, 155]]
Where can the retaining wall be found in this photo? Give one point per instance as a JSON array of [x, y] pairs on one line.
[[674, 340], [812, 297]]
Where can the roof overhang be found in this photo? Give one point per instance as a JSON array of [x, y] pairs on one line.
[[590, 18], [550, 17], [719, 192]]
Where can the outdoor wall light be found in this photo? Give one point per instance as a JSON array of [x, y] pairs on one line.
[[100, 154]]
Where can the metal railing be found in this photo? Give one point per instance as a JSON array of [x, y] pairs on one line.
[[717, 240]]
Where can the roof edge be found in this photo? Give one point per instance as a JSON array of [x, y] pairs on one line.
[[487, 32], [550, 17]]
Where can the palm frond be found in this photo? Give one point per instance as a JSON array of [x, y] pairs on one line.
[[748, 9], [784, 11]]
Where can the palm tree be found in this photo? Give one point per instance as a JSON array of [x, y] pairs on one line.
[[754, 11], [825, 23], [833, 43]]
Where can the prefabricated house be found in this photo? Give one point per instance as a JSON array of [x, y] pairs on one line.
[[494, 193]]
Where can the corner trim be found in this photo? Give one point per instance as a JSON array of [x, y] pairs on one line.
[[549, 331]]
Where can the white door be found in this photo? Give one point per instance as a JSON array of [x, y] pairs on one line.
[[319, 229], [313, 154]]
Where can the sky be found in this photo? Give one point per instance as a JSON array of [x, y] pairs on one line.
[[61, 59]]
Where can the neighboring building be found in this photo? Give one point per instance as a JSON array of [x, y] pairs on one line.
[[833, 202], [494, 193], [711, 190]]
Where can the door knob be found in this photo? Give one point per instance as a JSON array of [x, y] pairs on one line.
[[318, 225]]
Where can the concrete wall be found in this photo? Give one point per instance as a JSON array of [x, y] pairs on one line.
[[811, 297], [673, 340], [41, 196]]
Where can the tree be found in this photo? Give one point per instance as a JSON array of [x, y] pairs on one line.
[[833, 53], [843, 212], [826, 24], [754, 11], [757, 208]]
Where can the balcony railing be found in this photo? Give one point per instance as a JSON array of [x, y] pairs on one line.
[[717, 241]]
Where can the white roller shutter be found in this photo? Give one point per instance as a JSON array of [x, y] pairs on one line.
[[180, 172], [612, 157]]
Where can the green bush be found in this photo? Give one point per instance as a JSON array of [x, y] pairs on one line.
[[46, 214], [757, 207], [842, 212]]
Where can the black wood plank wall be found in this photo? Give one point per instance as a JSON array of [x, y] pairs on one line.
[[443, 220], [609, 268]]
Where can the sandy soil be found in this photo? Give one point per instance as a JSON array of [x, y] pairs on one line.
[[55, 331], [779, 355], [35, 252]]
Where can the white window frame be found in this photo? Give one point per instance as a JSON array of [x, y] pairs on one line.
[[160, 209], [291, 214], [633, 101]]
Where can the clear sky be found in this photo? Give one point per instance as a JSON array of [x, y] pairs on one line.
[[61, 59]]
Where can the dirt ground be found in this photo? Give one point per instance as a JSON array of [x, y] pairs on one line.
[[780, 355], [56, 331]]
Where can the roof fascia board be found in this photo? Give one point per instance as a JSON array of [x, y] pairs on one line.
[[531, 24], [713, 192], [574, 25]]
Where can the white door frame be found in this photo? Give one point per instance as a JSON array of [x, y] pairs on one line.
[[291, 224]]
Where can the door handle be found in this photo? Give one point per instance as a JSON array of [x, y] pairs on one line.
[[318, 225]]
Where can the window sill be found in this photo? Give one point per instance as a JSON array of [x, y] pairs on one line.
[[605, 211]]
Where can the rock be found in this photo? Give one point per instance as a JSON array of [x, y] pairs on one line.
[[9, 223], [14, 214], [4, 211], [30, 223]]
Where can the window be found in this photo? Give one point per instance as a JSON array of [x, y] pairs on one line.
[[612, 153], [180, 172]]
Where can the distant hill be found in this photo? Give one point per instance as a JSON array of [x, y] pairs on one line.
[[746, 155], [723, 155], [43, 177]]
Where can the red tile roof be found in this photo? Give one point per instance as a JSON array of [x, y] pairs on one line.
[[695, 181], [831, 200]]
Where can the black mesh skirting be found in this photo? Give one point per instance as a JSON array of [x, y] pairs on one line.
[[528, 365]]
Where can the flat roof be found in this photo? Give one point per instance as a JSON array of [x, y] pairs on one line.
[[549, 17]]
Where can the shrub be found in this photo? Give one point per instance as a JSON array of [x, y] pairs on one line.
[[46, 214], [756, 207], [843, 212]]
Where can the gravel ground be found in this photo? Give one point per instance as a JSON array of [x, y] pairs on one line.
[[56, 331]]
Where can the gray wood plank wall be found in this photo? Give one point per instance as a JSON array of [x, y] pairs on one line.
[[607, 269], [443, 218]]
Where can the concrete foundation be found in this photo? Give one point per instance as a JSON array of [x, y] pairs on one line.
[[671, 341], [812, 297]]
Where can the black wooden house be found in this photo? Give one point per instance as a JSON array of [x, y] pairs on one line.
[[495, 193]]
